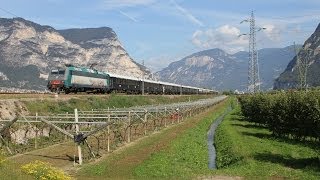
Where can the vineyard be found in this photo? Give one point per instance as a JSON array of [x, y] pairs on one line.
[[295, 115], [95, 131]]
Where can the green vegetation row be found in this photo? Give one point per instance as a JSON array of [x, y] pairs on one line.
[[103, 102], [249, 151], [227, 148], [287, 114]]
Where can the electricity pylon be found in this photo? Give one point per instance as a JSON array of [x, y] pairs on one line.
[[253, 68]]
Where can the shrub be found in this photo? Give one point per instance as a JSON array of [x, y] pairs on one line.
[[226, 153], [44, 171], [292, 114]]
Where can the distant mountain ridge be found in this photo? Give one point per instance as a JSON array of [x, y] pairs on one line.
[[34, 49], [214, 68], [289, 77]]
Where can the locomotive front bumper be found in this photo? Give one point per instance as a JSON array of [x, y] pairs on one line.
[[55, 84]]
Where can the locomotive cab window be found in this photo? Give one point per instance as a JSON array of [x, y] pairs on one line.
[[62, 71], [57, 72]]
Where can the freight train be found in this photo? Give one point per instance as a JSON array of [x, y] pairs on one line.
[[73, 79]]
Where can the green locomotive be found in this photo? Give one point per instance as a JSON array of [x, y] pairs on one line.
[[78, 79]]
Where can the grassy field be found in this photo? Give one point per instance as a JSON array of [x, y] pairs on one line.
[[103, 102], [250, 151], [9, 170], [244, 151], [149, 157]]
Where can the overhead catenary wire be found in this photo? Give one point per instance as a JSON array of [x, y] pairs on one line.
[[291, 17], [8, 12]]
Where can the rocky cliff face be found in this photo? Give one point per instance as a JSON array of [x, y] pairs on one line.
[[310, 53], [202, 69], [217, 69], [28, 51]]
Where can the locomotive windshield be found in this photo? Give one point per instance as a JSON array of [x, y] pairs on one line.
[[57, 74]]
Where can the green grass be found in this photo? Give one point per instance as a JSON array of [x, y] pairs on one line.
[[250, 151], [106, 168], [102, 102], [10, 171], [186, 157]]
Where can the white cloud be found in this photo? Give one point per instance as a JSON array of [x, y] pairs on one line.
[[187, 14], [225, 37], [168, 7], [115, 4], [157, 63], [272, 32]]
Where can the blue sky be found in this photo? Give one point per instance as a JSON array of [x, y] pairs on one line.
[[163, 31]]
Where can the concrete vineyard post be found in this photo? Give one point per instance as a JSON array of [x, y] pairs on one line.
[[76, 119]]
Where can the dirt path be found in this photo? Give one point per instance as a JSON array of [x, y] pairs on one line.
[[59, 155]]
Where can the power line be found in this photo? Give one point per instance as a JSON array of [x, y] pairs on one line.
[[8, 12], [292, 31], [291, 17]]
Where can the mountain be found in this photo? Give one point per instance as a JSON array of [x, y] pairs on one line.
[[28, 51], [219, 70], [310, 53]]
